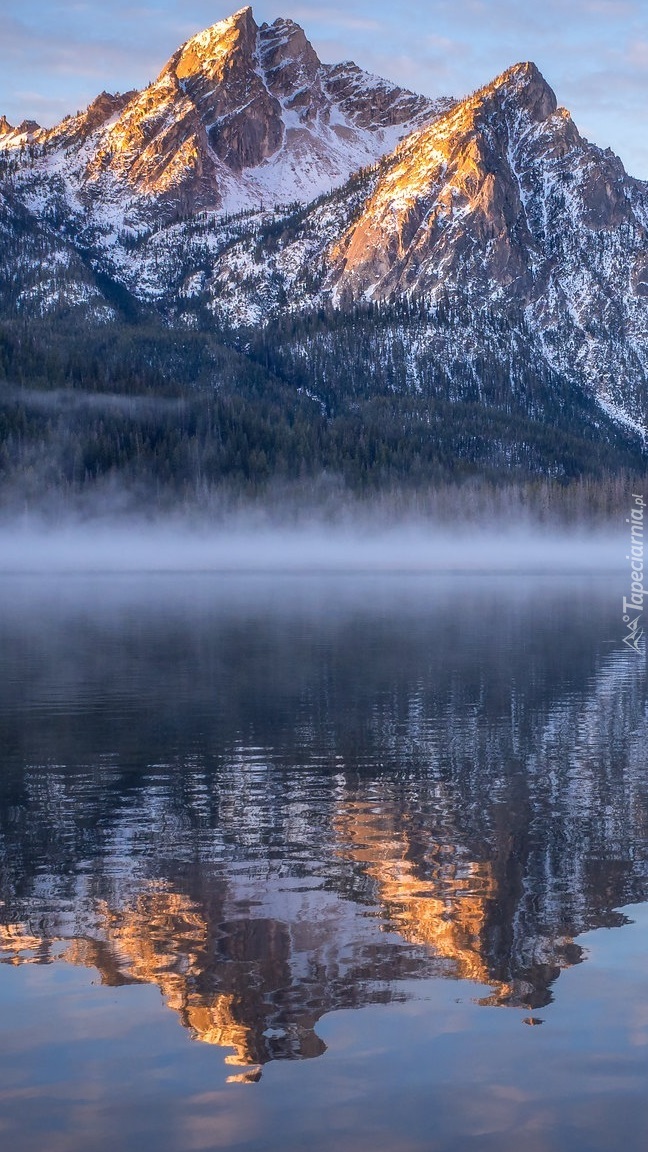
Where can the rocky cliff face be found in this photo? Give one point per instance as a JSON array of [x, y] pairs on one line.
[[450, 197]]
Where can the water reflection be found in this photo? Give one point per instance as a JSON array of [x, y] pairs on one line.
[[274, 812]]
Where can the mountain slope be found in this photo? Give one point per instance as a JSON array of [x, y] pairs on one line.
[[503, 197], [470, 274], [499, 203]]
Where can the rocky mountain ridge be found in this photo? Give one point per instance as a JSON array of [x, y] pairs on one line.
[[495, 206], [241, 115]]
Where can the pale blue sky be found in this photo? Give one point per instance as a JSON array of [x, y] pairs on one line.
[[55, 55]]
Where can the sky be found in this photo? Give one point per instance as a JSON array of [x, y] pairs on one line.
[[56, 55]]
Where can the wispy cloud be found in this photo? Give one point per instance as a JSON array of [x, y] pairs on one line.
[[334, 18], [637, 56]]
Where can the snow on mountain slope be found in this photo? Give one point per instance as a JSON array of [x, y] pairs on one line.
[[18, 136], [41, 270]]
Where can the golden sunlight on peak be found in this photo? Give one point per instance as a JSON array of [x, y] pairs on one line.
[[209, 49]]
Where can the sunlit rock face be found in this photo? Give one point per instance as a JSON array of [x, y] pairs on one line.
[[75, 130], [451, 196], [19, 136]]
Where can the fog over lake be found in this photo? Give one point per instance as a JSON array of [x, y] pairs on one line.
[[354, 543]]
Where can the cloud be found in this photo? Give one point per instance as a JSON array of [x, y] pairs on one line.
[[45, 76], [334, 17], [65, 55], [637, 56]]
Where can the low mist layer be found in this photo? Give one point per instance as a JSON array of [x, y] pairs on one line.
[[243, 546]]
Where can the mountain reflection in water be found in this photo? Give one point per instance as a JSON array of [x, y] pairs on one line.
[[279, 803]]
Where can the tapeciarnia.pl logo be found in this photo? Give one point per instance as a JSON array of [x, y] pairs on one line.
[[633, 605]]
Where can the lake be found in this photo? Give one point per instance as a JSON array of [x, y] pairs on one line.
[[336, 862]]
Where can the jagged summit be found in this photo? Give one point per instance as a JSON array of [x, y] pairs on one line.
[[211, 49], [525, 83], [16, 137], [451, 192], [240, 116]]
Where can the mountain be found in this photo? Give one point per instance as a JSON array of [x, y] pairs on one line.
[[476, 268], [240, 115], [501, 203], [504, 196]]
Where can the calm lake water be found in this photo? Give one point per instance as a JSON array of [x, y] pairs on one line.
[[316, 863]]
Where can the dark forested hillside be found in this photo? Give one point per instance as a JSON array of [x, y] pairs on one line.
[[167, 414]]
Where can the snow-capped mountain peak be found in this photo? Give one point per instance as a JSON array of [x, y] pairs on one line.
[[241, 116]]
